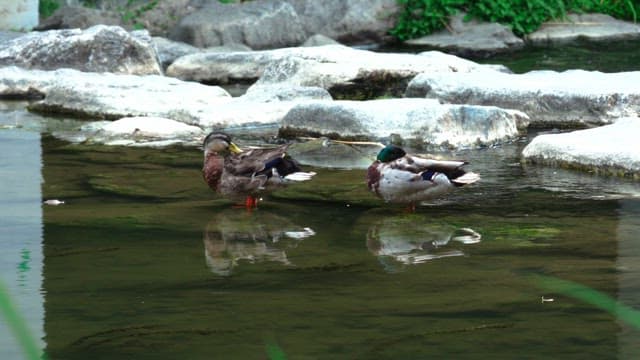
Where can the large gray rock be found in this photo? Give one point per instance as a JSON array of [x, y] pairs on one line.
[[472, 38], [169, 50], [98, 49], [111, 96], [337, 68], [564, 99], [350, 22], [611, 149], [420, 123], [592, 27], [257, 24], [264, 24]]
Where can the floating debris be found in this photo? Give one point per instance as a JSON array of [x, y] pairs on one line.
[[544, 300], [54, 202]]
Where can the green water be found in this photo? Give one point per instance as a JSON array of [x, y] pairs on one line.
[[143, 261]]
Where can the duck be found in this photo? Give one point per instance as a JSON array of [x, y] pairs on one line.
[[398, 177], [236, 174]]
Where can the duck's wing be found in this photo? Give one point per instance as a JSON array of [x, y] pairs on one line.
[[261, 161], [425, 167]]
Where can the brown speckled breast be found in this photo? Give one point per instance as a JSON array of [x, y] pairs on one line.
[[212, 170], [373, 177]]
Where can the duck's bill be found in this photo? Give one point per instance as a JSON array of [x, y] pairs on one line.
[[234, 148]]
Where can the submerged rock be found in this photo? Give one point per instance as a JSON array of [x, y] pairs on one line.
[[611, 149], [420, 123], [98, 49], [471, 38], [550, 98], [591, 27]]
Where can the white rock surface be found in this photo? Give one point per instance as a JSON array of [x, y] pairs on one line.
[[418, 122], [100, 48], [593, 27], [610, 149], [548, 97]]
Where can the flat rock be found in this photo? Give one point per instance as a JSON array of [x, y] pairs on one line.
[[337, 68], [419, 123], [98, 49], [591, 27], [611, 149], [135, 131], [471, 38], [564, 99], [111, 96]]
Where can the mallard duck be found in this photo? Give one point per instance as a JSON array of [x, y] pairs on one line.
[[238, 174], [398, 177]]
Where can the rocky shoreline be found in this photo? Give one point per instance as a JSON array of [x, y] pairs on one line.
[[156, 91]]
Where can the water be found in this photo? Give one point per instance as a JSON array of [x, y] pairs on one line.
[[144, 261]]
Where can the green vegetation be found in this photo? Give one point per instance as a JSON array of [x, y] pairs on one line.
[[47, 7], [422, 17]]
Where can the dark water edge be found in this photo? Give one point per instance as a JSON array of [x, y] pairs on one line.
[[612, 56]]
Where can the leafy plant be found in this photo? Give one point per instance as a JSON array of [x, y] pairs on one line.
[[423, 17], [46, 8]]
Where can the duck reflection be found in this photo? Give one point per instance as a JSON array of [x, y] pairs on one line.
[[411, 242], [232, 236]]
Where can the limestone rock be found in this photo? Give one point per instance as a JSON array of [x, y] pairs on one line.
[[472, 38], [592, 27], [420, 123], [98, 49], [111, 96], [611, 149], [550, 98]]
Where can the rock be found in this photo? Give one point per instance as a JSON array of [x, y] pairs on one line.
[[471, 38], [257, 24], [78, 17], [269, 93], [592, 27], [137, 131], [9, 35], [319, 40], [168, 50], [565, 99], [283, 23], [419, 123], [111, 96], [98, 49], [611, 149], [352, 22], [343, 71]]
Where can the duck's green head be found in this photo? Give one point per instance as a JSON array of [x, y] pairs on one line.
[[390, 153]]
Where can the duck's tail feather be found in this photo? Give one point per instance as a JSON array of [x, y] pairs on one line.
[[466, 179], [300, 176]]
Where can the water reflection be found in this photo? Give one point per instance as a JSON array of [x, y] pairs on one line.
[[410, 242], [233, 236]]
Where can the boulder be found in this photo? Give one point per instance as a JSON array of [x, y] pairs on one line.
[[612, 149], [419, 123], [257, 24], [591, 27], [341, 70], [352, 22], [563, 99], [319, 40], [471, 38], [98, 49], [111, 96], [283, 23]]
